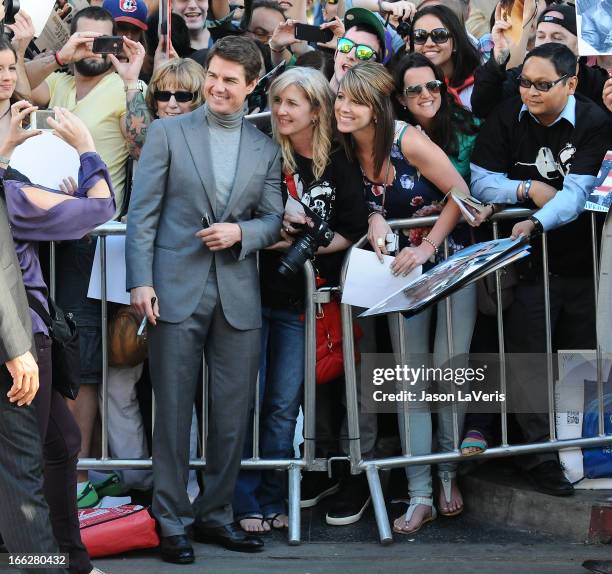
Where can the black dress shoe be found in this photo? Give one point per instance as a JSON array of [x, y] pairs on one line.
[[548, 478], [176, 549], [598, 566], [230, 536]]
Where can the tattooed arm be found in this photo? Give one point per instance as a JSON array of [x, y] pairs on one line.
[[137, 121], [137, 117]]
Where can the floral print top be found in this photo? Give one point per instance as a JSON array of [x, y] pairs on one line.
[[410, 195]]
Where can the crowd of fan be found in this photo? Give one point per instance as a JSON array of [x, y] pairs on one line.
[[405, 102]]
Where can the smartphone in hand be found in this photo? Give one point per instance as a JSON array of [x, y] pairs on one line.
[[108, 45], [313, 33], [38, 119]]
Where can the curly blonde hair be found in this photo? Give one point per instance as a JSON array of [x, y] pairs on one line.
[[321, 98]]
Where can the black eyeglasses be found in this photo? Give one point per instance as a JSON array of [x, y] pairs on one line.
[[438, 36], [433, 87], [181, 96], [540, 85]]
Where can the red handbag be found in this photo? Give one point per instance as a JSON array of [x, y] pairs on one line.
[[330, 357], [109, 531]]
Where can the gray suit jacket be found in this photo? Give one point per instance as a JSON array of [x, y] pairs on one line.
[[173, 188], [15, 320], [604, 298]]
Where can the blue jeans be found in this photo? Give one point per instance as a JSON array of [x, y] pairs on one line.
[[281, 378]]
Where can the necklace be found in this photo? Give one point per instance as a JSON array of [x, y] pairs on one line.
[[7, 111]]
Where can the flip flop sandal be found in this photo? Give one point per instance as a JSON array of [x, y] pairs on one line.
[[473, 439], [414, 502], [261, 519], [446, 479], [271, 518]]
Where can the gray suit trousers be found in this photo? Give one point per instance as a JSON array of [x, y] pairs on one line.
[[24, 514], [175, 355]]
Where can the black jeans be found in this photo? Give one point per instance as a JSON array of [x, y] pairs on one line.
[[572, 316], [61, 444]]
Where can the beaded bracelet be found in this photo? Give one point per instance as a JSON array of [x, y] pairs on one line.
[[432, 244]]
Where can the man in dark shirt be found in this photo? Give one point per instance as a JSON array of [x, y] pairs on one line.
[[494, 83], [544, 150]]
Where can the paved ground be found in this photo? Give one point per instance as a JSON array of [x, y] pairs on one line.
[[448, 546]]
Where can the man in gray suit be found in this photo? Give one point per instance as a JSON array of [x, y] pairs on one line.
[[24, 515], [209, 168]]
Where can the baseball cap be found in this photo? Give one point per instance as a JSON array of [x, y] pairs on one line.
[[357, 16], [131, 11], [567, 19]]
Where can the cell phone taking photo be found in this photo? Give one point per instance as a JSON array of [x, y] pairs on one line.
[[108, 45], [313, 33], [38, 119]]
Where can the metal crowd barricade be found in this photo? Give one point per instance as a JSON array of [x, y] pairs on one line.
[[292, 466], [372, 467]]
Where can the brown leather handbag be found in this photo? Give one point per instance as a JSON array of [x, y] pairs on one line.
[[125, 347]]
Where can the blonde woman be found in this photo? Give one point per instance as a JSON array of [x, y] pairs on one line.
[[175, 88], [320, 177], [406, 175]]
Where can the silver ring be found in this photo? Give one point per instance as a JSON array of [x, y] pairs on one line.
[[380, 241]]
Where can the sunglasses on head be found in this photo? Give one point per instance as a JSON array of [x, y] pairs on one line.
[[438, 36], [433, 87], [180, 96], [540, 85], [362, 51]]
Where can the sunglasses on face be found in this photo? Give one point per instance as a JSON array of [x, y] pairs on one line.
[[540, 85], [180, 96], [433, 87], [362, 51], [438, 36]]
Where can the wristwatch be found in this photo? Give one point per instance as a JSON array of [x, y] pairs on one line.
[[538, 229]]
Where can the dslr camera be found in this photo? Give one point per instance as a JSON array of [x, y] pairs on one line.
[[306, 244]]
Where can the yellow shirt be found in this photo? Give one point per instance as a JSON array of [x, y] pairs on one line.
[[102, 112]]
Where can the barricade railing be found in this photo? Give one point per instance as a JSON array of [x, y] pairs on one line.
[[373, 466], [293, 466], [308, 461]]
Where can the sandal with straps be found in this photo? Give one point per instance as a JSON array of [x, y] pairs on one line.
[[414, 502], [272, 518], [473, 439], [446, 479], [260, 518]]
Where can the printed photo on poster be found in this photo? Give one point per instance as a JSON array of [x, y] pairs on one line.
[[594, 20]]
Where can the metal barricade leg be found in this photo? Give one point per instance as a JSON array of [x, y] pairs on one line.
[[294, 505], [378, 502]]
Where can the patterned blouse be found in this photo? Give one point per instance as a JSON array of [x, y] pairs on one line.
[[409, 195]]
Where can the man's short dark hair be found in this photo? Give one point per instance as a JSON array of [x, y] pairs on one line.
[[559, 55], [93, 13], [241, 50], [270, 4]]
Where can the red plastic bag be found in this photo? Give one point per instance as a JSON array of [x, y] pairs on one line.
[[109, 531], [330, 357]]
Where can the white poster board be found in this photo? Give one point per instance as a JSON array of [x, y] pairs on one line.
[[46, 160], [115, 271]]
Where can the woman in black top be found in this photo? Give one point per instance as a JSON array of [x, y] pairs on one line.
[[320, 177]]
